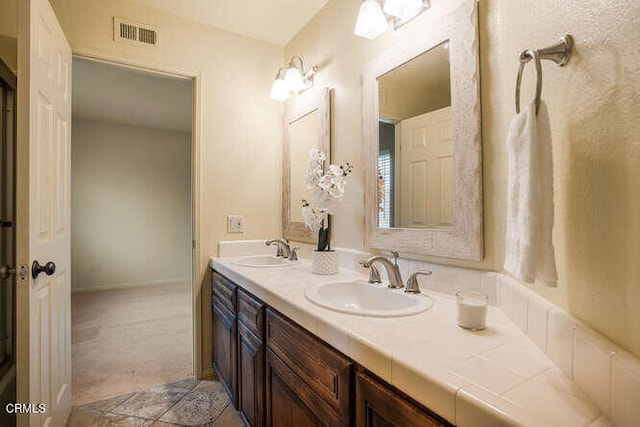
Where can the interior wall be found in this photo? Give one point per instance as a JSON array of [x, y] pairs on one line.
[[9, 52], [241, 128], [595, 121], [9, 33], [131, 205]]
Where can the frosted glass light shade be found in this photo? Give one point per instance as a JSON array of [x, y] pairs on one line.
[[279, 90], [293, 80], [403, 9], [394, 7], [371, 21]]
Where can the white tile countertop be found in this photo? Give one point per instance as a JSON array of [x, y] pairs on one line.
[[496, 377]]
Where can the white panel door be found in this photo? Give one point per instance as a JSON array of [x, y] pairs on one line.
[[426, 177], [45, 126]]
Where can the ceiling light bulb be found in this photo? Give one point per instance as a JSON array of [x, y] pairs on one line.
[[279, 90], [371, 21], [293, 80]]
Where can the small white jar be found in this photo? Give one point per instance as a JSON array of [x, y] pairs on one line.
[[472, 310]]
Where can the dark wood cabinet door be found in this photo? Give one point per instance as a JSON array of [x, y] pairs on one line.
[[324, 370], [379, 406], [291, 402], [225, 349], [250, 377]]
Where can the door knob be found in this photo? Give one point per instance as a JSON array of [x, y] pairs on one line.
[[6, 272], [49, 268]]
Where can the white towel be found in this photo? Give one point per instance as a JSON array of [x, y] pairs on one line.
[[529, 253]]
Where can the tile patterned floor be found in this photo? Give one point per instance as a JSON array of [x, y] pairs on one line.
[[182, 403]]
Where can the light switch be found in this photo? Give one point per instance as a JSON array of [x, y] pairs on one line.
[[235, 223]]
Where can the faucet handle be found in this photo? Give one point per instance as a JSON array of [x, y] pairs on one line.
[[395, 254], [293, 254], [412, 282]]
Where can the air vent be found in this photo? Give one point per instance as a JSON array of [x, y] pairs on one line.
[[130, 32], [147, 36]]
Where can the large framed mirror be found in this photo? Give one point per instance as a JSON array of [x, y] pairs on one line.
[[421, 106], [307, 125]]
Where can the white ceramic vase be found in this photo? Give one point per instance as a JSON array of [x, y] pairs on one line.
[[324, 262]]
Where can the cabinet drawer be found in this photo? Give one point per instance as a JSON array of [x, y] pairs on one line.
[[224, 290], [326, 371], [251, 313]]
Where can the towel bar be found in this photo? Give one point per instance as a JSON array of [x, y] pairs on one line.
[[560, 53]]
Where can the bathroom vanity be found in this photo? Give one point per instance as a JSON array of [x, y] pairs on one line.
[[277, 373], [288, 361]]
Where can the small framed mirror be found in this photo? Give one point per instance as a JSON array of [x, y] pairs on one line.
[[307, 125], [422, 135]]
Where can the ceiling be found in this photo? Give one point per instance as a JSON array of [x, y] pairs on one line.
[[273, 21], [114, 94]]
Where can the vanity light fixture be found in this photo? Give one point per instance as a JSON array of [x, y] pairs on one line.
[[295, 79], [373, 19], [279, 91]]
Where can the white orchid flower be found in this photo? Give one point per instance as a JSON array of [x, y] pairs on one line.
[[328, 190], [314, 168]]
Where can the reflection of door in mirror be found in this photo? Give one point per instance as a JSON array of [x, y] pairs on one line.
[[303, 134], [426, 187], [415, 136]]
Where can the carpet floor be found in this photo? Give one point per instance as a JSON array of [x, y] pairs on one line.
[[125, 340]]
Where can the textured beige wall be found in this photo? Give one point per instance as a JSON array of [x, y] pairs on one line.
[[241, 129], [130, 204], [595, 121]]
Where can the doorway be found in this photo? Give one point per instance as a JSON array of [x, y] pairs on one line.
[[131, 228], [7, 242]]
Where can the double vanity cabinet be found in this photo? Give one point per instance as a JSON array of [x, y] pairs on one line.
[[279, 374]]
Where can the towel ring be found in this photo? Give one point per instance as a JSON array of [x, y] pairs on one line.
[[560, 53], [525, 57]]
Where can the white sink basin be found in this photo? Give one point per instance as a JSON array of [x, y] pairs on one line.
[[360, 297], [262, 261]]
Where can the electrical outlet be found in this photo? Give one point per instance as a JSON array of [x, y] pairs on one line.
[[95, 266], [235, 223]]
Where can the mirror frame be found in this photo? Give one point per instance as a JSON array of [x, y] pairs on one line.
[[465, 239], [306, 103]]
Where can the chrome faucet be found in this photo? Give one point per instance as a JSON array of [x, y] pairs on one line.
[[392, 269], [412, 282], [283, 247]]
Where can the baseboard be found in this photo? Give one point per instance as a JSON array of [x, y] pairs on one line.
[[128, 285], [207, 373]]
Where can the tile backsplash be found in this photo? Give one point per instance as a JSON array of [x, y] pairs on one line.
[[607, 374]]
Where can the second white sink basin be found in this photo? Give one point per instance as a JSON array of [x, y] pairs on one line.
[[262, 261], [360, 297]]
